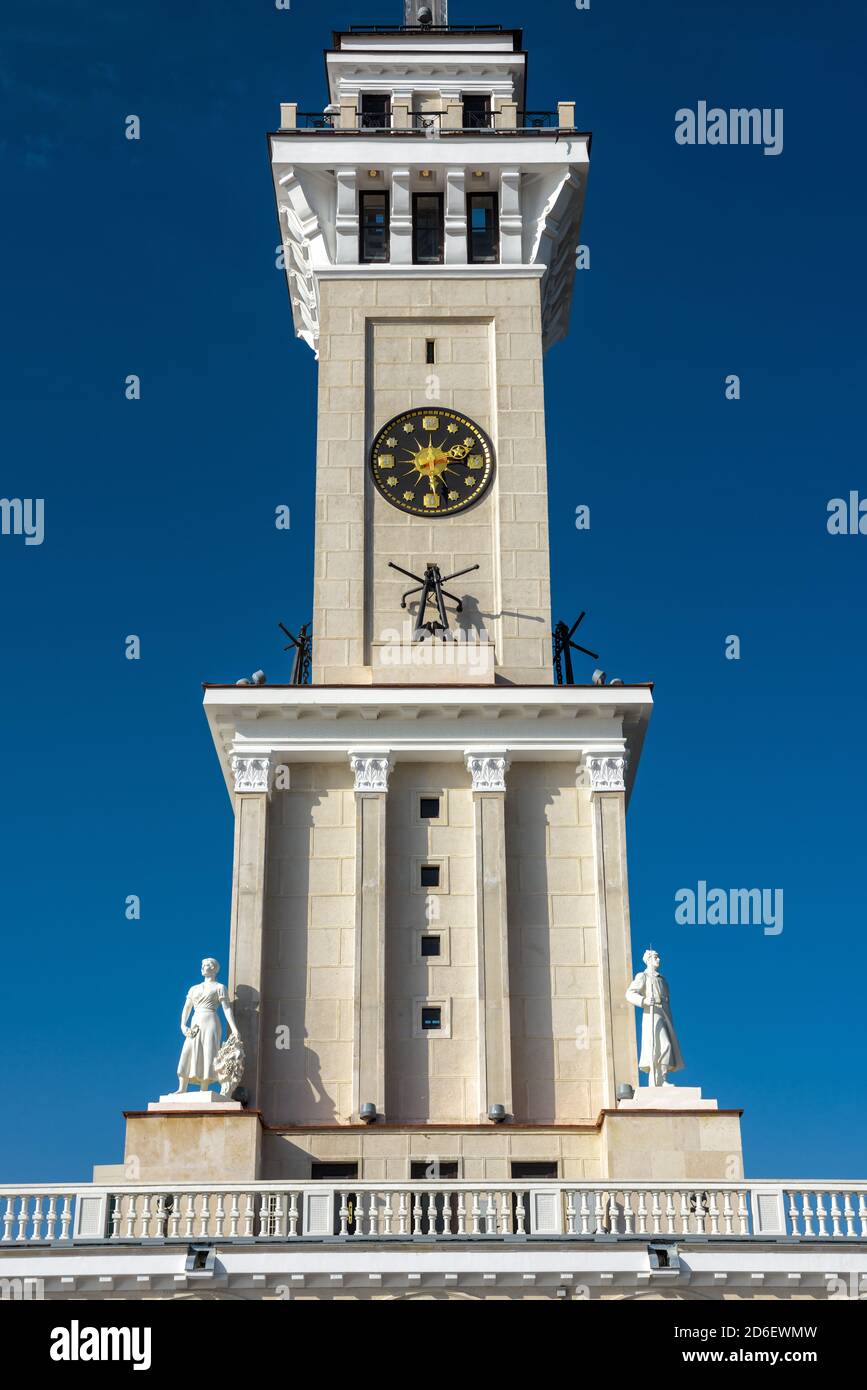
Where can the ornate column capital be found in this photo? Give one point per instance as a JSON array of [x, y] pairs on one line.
[[253, 774], [488, 771], [371, 771], [604, 772]]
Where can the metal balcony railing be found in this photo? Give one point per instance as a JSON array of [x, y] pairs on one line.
[[358, 1211], [316, 120], [538, 120]]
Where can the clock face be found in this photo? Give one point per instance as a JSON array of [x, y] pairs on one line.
[[432, 462]]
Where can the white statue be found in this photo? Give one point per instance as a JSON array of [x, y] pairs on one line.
[[660, 1050], [199, 1054]]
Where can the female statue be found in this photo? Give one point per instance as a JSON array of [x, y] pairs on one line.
[[203, 1037]]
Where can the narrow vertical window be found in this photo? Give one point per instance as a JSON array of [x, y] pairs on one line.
[[373, 228], [483, 228], [427, 228], [431, 352]]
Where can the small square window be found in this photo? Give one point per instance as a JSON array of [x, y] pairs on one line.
[[431, 946], [430, 876], [429, 808], [431, 1018]]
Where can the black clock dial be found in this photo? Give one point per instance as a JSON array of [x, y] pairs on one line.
[[432, 462]]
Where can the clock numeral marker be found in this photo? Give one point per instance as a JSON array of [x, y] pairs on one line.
[[430, 422], [430, 500], [386, 460], [475, 462]]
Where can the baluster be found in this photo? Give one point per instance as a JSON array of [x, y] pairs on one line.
[[387, 1212], [849, 1214], [266, 1214], [51, 1218], [670, 1214], [162, 1216], [835, 1215], [684, 1213], [743, 1213], [628, 1212], [700, 1213], [131, 1214], [714, 1214], [8, 1218], [820, 1213], [585, 1214], [521, 1215], [727, 1213], [234, 1217], [293, 1214], [190, 1215], [862, 1213], [344, 1213], [115, 1215], [600, 1214], [402, 1215], [66, 1217], [570, 1212], [373, 1214], [220, 1215], [22, 1219], [36, 1219], [205, 1221], [175, 1218], [249, 1215], [417, 1213], [642, 1212], [505, 1214], [656, 1212], [146, 1216], [476, 1213], [462, 1213]]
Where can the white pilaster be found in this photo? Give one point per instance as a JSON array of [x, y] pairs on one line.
[[511, 220], [346, 219], [456, 217], [401, 218]]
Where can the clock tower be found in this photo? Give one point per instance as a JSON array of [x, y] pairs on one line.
[[430, 944]]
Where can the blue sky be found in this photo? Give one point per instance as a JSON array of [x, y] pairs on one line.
[[157, 257]]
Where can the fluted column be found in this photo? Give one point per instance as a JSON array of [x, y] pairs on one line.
[[605, 774], [488, 771], [371, 771], [253, 783]]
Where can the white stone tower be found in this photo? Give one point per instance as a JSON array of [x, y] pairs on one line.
[[430, 926]]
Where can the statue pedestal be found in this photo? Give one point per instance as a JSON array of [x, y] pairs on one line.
[[214, 1141], [211, 1101], [671, 1134], [668, 1098]]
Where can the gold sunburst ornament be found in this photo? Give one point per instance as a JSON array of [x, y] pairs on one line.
[[437, 476]]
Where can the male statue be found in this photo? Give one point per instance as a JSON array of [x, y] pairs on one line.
[[660, 1050]]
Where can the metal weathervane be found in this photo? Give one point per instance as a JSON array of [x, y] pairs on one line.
[[430, 586], [302, 645]]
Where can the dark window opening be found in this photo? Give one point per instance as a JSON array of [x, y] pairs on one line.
[[477, 112], [431, 1018], [431, 946], [439, 1170], [430, 875], [428, 231], [546, 1172], [483, 227], [430, 352], [373, 226], [333, 1172], [429, 808], [375, 112]]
